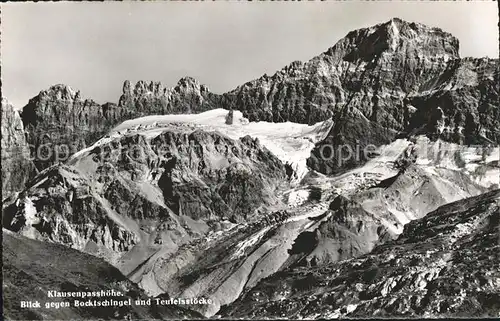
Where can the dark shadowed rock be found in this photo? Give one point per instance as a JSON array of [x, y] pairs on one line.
[[352, 141]]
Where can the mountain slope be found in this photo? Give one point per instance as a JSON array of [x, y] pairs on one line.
[[445, 264], [32, 268]]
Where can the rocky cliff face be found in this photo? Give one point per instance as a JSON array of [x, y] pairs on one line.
[[51, 209], [444, 264], [17, 167], [146, 191], [200, 174], [372, 69], [59, 122], [351, 142], [464, 109], [348, 231], [192, 206]]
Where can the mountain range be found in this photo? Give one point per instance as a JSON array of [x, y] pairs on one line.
[[182, 192]]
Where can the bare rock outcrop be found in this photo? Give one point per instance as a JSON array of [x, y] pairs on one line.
[[349, 231], [62, 207]]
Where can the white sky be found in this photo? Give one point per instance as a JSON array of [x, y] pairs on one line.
[[94, 47]]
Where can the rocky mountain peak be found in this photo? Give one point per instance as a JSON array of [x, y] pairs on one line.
[[143, 87], [157, 88], [146, 98], [396, 36], [190, 84], [188, 81], [59, 116], [392, 75], [60, 92]]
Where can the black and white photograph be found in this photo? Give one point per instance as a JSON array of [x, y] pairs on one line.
[[249, 160]]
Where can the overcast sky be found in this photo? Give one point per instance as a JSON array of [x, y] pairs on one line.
[[94, 47]]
